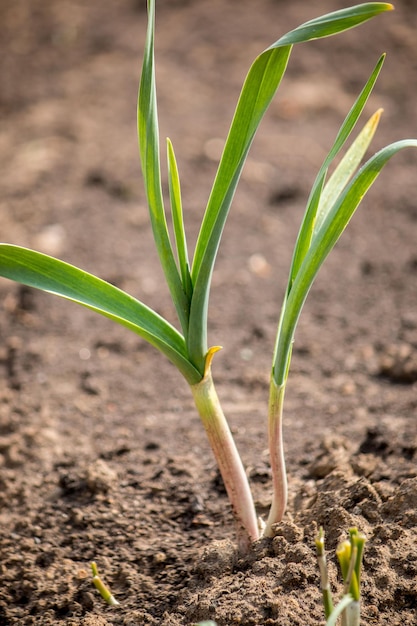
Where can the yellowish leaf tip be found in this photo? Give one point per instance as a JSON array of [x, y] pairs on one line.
[[209, 357], [373, 121]]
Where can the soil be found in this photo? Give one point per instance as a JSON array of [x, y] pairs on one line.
[[102, 454]]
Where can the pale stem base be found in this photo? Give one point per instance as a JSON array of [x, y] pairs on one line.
[[351, 616], [228, 460], [276, 451]]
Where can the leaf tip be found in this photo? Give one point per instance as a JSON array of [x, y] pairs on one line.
[[374, 121], [209, 357]]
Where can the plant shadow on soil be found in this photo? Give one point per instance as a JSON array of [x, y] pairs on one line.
[[102, 455]]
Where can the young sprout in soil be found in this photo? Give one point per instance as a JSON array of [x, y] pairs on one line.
[[330, 206], [349, 554], [104, 591]]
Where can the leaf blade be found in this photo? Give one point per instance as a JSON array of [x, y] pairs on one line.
[[258, 90], [46, 273], [260, 86], [345, 170], [148, 139], [333, 23], [308, 224], [330, 231], [178, 219]]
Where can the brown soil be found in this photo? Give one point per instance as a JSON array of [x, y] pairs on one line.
[[102, 455]]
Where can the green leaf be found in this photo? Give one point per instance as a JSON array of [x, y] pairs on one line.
[[333, 23], [358, 541], [323, 242], [258, 90], [148, 135], [51, 275], [178, 220], [307, 226], [345, 170], [309, 222]]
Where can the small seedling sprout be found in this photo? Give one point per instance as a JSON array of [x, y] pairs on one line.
[[324, 575], [349, 554], [104, 591], [330, 206]]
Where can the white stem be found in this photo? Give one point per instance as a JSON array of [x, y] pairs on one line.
[[277, 459], [352, 614], [228, 460]]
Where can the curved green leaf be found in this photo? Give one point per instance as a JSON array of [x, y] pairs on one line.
[[258, 90], [148, 135], [333, 23], [315, 200], [51, 275], [323, 242], [178, 219], [345, 170]]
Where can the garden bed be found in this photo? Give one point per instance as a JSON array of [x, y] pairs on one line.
[[102, 454]]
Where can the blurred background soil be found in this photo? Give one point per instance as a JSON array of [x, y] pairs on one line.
[[102, 456]]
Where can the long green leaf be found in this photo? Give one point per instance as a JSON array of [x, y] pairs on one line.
[[323, 242], [51, 275], [178, 219], [310, 217], [346, 169], [335, 22], [148, 135], [258, 90]]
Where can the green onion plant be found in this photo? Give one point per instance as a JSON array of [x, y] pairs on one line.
[[330, 206]]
